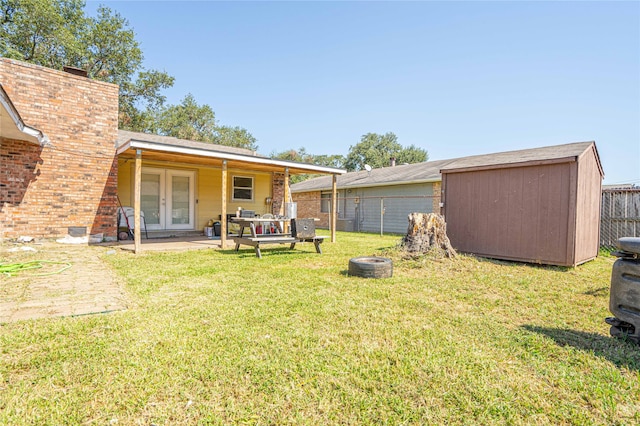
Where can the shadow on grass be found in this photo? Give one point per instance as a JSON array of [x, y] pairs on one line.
[[617, 351], [597, 292], [266, 252], [515, 263]]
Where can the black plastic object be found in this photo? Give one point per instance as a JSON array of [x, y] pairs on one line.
[[303, 228], [624, 299], [629, 244]]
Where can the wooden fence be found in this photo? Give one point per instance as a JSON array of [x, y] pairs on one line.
[[620, 215]]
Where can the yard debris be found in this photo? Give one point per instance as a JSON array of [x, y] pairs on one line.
[[427, 233], [21, 248], [68, 239]]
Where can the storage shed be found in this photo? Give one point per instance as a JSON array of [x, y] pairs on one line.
[[537, 205]]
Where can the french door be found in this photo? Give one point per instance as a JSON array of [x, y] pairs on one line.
[[167, 198]]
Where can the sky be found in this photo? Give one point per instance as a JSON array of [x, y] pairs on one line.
[[454, 78]]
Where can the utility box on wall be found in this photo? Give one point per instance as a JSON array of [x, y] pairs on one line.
[[537, 205]]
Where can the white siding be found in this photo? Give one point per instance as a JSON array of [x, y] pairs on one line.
[[399, 201]]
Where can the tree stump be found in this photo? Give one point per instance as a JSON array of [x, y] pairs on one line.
[[426, 232]]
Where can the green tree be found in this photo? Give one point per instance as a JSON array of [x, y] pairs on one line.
[[235, 136], [302, 156], [299, 156], [412, 154], [189, 120], [55, 33], [377, 150], [43, 32]]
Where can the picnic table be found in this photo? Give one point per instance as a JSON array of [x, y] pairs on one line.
[[256, 239]]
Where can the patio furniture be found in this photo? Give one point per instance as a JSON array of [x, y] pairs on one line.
[[255, 240]]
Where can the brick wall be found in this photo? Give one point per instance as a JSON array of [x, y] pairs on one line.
[[73, 181], [277, 206], [437, 197], [309, 206]]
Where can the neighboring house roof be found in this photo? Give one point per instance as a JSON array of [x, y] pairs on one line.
[[396, 175], [622, 186], [430, 171], [13, 127], [170, 148]]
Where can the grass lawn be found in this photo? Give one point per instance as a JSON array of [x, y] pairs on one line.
[[219, 337]]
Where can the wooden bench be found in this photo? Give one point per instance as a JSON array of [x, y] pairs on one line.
[[255, 242], [265, 239], [316, 240]]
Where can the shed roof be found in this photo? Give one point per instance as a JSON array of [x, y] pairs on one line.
[[523, 157], [167, 148], [430, 171], [12, 125]]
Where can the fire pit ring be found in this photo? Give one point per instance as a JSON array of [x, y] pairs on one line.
[[371, 267]]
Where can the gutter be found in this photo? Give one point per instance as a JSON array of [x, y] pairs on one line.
[[144, 145], [32, 132], [373, 185]]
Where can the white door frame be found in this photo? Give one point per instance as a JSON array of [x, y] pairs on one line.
[[172, 213], [165, 208]]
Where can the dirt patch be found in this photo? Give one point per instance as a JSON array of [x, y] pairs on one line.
[[74, 280]]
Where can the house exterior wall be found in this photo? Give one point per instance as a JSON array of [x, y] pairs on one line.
[[525, 214], [359, 208], [396, 200], [309, 206], [208, 189], [71, 182]]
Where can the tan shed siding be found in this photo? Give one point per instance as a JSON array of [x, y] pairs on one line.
[[588, 213], [511, 213]]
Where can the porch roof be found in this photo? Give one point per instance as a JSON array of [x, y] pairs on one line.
[[166, 148], [12, 126]]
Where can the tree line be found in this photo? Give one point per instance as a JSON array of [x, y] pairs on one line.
[[58, 33]]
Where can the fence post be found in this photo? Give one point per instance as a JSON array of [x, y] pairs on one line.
[[381, 216]]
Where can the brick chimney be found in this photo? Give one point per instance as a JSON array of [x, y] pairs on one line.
[[393, 161]]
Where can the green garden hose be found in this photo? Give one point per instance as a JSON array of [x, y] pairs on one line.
[[10, 269]]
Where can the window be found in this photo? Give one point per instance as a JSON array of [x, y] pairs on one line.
[[325, 202], [242, 188]]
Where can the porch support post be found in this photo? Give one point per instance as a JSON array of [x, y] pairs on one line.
[[334, 207], [286, 195], [136, 202], [223, 215]]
